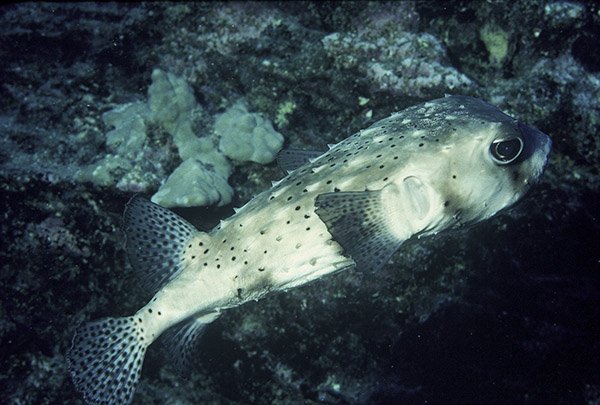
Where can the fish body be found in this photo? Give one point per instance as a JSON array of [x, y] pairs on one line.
[[437, 166]]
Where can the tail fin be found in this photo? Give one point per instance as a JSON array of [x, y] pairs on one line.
[[106, 359]]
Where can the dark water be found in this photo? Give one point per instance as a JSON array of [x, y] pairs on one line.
[[507, 312]]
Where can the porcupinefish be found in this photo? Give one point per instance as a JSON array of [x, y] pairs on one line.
[[437, 166]]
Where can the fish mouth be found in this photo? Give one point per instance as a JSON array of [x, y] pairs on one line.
[[544, 150], [547, 147], [537, 149]]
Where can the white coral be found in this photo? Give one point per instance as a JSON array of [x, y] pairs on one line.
[[247, 136], [193, 184]]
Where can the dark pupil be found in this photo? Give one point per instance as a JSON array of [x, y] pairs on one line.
[[507, 150]]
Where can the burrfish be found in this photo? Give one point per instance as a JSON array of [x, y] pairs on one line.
[[434, 167]]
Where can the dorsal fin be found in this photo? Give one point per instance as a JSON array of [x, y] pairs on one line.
[[156, 241], [291, 159], [357, 221]]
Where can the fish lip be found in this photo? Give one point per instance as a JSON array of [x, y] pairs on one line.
[[536, 143], [546, 147]]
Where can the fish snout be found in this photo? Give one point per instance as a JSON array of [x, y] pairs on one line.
[[536, 150]]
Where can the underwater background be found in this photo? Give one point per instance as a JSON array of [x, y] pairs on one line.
[[505, 312]]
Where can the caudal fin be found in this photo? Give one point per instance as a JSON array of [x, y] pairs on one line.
[[106, 359]]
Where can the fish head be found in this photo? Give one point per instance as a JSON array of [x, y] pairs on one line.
[[491, 165], [459, 161]]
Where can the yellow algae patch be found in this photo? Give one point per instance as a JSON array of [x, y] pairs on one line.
[[496, 42]]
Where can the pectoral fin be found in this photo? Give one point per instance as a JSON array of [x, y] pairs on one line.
[[357, 221]]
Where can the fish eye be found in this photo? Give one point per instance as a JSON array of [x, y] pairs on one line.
[[505, 151]]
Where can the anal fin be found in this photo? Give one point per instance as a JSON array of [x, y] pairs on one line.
[[182, 340], [357, 221]]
